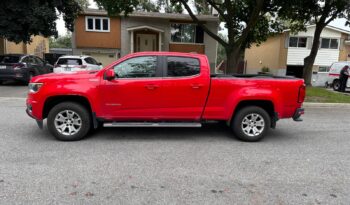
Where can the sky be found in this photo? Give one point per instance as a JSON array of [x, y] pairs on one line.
[[339, 23]]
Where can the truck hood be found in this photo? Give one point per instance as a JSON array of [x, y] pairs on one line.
[[64, 76]]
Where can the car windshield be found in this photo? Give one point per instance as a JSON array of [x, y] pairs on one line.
[[69, 61], [9, 59]]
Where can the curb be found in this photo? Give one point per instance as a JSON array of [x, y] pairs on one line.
[[326, 105]]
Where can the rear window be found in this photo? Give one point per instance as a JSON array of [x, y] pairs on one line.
[[182, 66], [9, 59], [69, 61]]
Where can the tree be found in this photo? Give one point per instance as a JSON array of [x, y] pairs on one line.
[[247, 21], [318, 12], [19, 20], [61, 42]]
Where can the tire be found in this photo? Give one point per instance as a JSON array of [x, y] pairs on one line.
[[336, 85], [254, 131], [73, 118]]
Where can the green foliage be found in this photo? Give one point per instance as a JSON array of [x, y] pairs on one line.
[[20, 19], [61, 42], [265, 69], [321, 95]]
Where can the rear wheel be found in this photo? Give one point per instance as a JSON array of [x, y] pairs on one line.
[[251, 124], [69, 121], [336, 85]]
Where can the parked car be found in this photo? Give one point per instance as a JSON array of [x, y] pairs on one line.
[[334, 74], [22, 67], [162, 89], [76, 63]]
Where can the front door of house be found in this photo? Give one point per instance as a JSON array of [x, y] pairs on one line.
[[146, 42]]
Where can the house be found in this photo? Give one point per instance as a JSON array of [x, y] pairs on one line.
[[284, 53], [109, 38], [39, 46]]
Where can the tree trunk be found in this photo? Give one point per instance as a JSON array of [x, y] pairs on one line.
[[310, 60], [233, 57]]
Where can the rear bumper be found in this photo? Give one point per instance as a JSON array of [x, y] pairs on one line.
[[297, 114], [21, 76]]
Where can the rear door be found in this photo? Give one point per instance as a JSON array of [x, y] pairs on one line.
[[92, 64], [185, 88]]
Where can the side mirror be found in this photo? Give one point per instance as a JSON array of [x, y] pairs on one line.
[[99, 63], [110, 75]]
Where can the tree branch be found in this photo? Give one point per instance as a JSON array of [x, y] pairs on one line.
[[221, 12], [201, 24], [252, 21]]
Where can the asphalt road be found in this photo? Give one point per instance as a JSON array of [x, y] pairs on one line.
[[298, 163]]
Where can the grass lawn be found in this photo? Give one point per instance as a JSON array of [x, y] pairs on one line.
[[321, 95]]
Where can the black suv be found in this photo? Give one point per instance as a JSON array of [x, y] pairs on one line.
[[22, 67]]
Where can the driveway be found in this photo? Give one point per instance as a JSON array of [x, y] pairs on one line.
[[298, 163]]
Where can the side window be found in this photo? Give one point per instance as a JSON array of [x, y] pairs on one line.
[[138, 67], [91, 61], [38, 61], [182, 66]]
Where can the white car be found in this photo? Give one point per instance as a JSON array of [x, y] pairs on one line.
[[76, 63], [334, 74]]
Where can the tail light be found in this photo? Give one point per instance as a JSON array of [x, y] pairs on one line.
[[18, 66], [302, 93]]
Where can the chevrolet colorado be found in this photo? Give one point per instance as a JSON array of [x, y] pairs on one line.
[[162, 89]]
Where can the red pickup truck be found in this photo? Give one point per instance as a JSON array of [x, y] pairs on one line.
[[162, 89]]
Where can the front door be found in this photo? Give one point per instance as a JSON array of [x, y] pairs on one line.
[[146, 42], [135, 92]]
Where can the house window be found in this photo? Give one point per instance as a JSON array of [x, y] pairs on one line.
[[323, 69], [186, 33], [297, 42], [329, 43], [98, 24]]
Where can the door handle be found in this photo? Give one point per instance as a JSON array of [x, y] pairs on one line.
[[152, 87], [196, 86]]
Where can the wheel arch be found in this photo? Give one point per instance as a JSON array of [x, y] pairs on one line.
[[55, 100], [267, 105]]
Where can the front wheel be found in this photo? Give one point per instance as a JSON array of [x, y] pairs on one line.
[[251, 124], [69, 121]]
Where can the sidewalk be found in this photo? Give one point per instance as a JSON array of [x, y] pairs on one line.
[[326, 105]]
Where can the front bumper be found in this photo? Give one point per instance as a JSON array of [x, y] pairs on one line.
[[297, 114], [39, 122]]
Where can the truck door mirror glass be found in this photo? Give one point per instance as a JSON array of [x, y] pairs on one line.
[[110, 75]]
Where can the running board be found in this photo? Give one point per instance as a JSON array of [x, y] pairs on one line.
[[152, 124]]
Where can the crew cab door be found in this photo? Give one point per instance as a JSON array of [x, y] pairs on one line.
[[185, 88], [135, 93]]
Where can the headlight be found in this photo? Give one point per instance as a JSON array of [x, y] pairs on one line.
[[34, 87]]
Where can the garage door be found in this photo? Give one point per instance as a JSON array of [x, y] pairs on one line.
[[104, 58]]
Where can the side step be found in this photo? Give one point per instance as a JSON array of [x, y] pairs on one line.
[[152, 124]]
